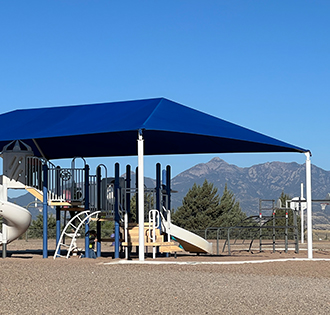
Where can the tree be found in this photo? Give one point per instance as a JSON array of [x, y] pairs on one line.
[[202, 208], [280, 217], [231, 211], [148, 205], [36, 228], [282, 212], [107, 228]]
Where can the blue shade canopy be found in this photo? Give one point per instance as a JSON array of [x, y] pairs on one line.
[[111, 129]]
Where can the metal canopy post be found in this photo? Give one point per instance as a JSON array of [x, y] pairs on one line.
[[302, 213], [117, 216], [309, 206], [141, 194], [45, 213]]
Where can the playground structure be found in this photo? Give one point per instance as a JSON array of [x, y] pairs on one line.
[[263, 227], [88, 198], [155, 126]]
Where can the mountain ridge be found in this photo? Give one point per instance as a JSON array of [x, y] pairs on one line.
[[250, 184]]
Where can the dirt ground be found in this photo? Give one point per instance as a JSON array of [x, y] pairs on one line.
[[321, 249], [183, 285]]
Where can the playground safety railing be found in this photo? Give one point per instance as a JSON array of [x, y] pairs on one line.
[[153, 225], [34, 171], [66, 184], [92, 193], [258, 234]]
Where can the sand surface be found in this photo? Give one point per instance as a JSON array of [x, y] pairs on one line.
[[33, 285]]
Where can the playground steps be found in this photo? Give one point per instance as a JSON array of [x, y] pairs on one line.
[[170, 248], [133, 236]]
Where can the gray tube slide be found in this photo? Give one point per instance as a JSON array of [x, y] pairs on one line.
[[16, 218]]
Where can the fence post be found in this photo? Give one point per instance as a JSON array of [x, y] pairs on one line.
[[260, 231], [295, 223], [286, 230], [228, 239], [217, 241], [274, 223]]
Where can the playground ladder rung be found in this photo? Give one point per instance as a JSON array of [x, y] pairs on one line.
[[68, 234], [65, 245]]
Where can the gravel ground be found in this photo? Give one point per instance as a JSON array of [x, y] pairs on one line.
[[32, 285]]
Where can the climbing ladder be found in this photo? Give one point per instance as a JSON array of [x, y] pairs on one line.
[[83, 218]]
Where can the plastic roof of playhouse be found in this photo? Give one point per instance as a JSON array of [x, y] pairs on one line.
[[111, 129]]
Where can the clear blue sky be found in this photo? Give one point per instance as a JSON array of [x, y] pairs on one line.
[[260, 64]]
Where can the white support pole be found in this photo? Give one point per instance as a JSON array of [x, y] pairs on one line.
[[302, 213], [141, 194], [309, 206], [4, 197]]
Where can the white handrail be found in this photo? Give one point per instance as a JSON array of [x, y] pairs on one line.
[[167, 223], [126, 233], [153, 218]]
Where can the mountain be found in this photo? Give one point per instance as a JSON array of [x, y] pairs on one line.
[[27, 200], [262, 181]]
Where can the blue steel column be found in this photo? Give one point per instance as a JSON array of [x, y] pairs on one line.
[[128, 193], [128, 200], [168, 186], [158, 189], [116, 188], [158, 196], [58, 209], [164, 204], [45, 212], [58, 225], [98, 207], [87, 208], [168, 192], [136, 200]]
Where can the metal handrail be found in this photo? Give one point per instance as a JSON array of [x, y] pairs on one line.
[[153, 223]]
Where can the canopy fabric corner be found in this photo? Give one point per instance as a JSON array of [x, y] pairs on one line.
[[110, 129]]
